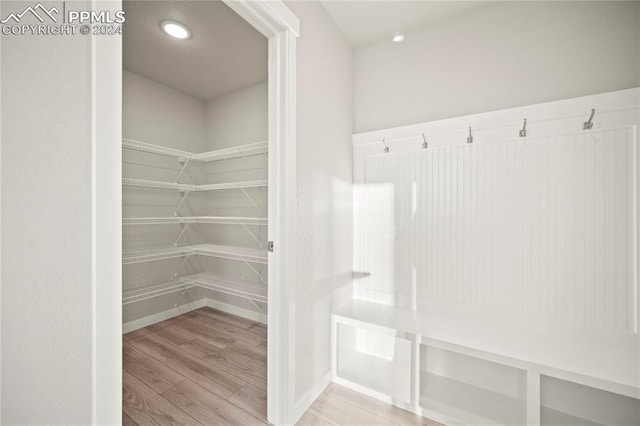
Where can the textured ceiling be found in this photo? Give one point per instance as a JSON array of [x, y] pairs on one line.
[[364, 22], [223, 55]]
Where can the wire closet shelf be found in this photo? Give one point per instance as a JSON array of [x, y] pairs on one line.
[[205, 280], [220, 154], [240, 287]]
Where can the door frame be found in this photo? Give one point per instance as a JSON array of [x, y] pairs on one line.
[[281, 27]]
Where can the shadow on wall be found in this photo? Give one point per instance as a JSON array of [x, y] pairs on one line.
[[325, 270]]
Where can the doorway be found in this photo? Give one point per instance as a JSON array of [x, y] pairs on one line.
[[195, 223], [277, 23]]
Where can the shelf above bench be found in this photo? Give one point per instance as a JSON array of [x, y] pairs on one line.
[[220, 154]]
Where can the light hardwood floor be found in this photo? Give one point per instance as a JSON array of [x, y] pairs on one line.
[[207, 367]]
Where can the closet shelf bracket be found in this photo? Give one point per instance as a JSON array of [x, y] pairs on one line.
[[254, 270], [255, 205], [184, 162], [182, 263], [255, 304], [182, 293], [184, 229], [185, 194], [256, 239], [253, 170]]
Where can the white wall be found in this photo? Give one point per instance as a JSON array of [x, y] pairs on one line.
[[505, 55], [238, 118], [325, 125], [46, 229], [157, 114]]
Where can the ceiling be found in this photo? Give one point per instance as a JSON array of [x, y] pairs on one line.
[[224, 54], [364, 22]]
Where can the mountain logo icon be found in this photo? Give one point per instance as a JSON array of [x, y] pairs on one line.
[[39, 11]]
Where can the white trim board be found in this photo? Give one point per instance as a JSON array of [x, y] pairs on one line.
[[188, 307], [0, 234], [511, 120], [276, 22], [236, 310], [106, 223], [282, 213], [309, 397], [162, 316]]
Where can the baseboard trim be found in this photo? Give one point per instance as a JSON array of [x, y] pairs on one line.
[[236, 310], [183, 309], [161, 316], [306, 400]]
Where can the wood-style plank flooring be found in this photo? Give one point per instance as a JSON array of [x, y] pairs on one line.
[[207, 367]]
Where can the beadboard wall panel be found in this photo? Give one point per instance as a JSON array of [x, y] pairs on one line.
[[538, 226], [542, 227]]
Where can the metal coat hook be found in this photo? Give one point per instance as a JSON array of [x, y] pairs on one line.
[[425, 145], [386, 147], [470, 137], [587, 125], [523, 132]]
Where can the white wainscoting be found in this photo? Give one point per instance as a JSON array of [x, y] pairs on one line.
[[541, 227]]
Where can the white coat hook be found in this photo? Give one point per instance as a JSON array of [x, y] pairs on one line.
[[425, 145], [386, 147], [523, 132], [470, 137], [587, 125]]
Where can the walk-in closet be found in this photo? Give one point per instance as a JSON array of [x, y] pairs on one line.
[[195, 222]]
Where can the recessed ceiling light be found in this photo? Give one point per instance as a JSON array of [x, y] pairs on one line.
[[398, 38], [175, 29]]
